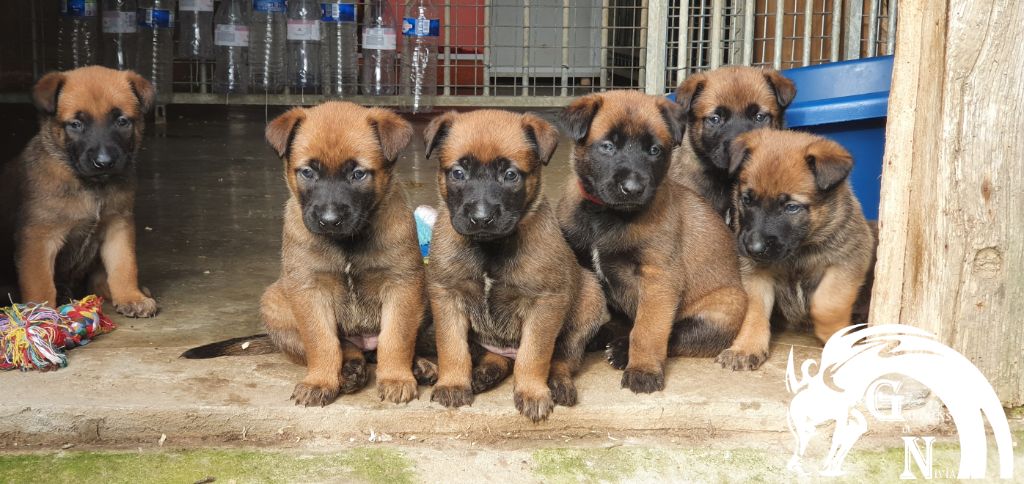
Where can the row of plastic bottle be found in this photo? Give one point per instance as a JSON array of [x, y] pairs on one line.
[[262, 45]]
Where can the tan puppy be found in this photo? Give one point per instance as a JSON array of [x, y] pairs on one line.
[[350, 265], [504, 284], [667, 260], [75, 185], [720, 105], [805, 246]]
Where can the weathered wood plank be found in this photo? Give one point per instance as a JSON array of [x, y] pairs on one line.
[[951, 253]]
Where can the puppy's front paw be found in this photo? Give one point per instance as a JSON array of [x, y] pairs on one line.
[[487, 376], [424, 371], [397, 391], [535, 405], [563, 390], [142, 307], [354, 376], [452, 396], [643, 381], [740, 360], [309, 395], [617, 353]]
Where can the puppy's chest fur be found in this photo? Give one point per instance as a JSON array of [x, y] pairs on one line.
[[607, 244], [349, 274], [795, 281], [498, 298]]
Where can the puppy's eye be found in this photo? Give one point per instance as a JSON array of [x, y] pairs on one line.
[[655, 150], [307, 173], [714, 120], [762, 118], [607, 147], [458, 174], [358, 174], [122, 122], [793, 207], [511, 175], [746, 199], [76, 125]]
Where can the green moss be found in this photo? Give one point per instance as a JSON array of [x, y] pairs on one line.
[[595, 465], [369, 465]]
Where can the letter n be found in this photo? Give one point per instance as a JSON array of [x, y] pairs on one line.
[[924, 463]]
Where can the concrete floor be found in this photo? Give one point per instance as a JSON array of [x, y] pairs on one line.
[[209, 219]]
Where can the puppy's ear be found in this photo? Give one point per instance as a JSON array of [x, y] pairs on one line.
[[783, 88], [576, 117], [673, 114], [393, 132], [46, 92], [739, 151], [829, 162], [542, 135], [143, 91], [281, 131], [437, 131], [690, 89]]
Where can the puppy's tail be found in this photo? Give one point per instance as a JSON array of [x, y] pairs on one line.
[[257, 344]]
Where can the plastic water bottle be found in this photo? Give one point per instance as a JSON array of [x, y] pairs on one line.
[[340, 69], [304, 41], [195, 31], [266, 44], [156, 44], [231, 40], [421, 28], [379, 43], [76, 34], [120, 34]]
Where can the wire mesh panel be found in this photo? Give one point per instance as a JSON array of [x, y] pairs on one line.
[[544, 52], [704, 34]]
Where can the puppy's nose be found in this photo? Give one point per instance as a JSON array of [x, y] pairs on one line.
[[758, 244], [329, 216], [102, 160], [482, 214], [755, 246], [631, 185]]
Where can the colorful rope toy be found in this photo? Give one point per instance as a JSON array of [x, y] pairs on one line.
[[34, 336]]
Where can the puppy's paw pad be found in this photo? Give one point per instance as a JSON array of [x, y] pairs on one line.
[[141, 308], [424, 371], [617, 353], [739, 360], [535, 407], [313, 395], [452, 396], [563, 391], [642, 381], [397, 391], [486, 377], [354, 376]]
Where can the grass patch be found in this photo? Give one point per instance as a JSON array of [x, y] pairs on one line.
[[595, 465], [372, 465]]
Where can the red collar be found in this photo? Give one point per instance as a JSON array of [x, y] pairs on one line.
[[586, 195]]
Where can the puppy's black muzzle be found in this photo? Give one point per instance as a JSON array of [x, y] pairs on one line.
[[480, 212]]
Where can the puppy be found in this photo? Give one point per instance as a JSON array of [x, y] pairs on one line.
[[804, 244], [667, 260], [72, 218], [504, 285], [351, 271], [720, 105]]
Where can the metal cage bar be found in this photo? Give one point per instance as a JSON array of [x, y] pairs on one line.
[[780, 14]]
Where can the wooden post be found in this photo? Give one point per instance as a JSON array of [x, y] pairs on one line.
[[951, 252]]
